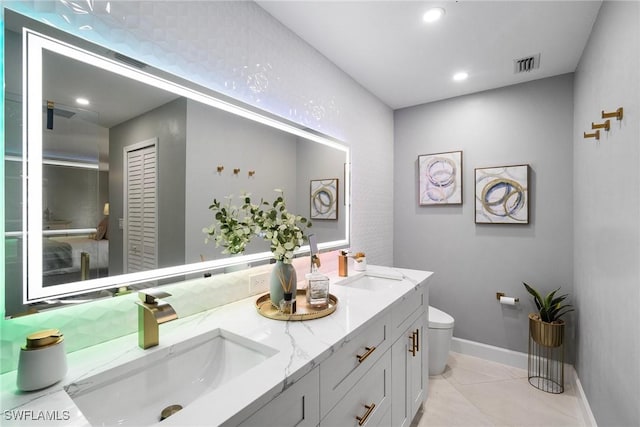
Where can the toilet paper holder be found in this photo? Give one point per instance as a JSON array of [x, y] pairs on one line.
[[501, 294]]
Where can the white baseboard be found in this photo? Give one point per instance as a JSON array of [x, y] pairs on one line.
[[587, 415], [520, 360], [489, 352]]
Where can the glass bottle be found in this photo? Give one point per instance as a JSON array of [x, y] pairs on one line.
[[317, 289], [288, 304]]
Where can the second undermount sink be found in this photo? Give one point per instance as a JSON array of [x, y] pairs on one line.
[[374, 282], [136, 392]]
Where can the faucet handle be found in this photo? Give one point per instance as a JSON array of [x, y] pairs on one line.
[[315, 260], [149, 296]]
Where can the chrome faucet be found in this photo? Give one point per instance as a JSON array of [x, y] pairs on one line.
[[152, 311]]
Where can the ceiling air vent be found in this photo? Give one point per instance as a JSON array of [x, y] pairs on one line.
[[526, 64], [130, 61]]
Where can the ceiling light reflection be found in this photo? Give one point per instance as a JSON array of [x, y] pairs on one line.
[[433, 14], [460, 76]]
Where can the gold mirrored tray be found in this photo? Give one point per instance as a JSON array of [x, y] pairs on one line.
[[303, 310]]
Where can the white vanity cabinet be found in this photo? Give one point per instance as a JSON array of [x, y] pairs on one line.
[[409, 371], [351, 387], [409, 375], [296, 406], [341, 372], [377, 377], [368, 403]]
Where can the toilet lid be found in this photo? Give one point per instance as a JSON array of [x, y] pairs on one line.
[[439, 319]]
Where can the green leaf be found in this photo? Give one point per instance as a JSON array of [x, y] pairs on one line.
[[561, 313], [551, 307], [558, 300], [549, 298], [536, 296]]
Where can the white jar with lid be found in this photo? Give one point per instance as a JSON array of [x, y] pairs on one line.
[[360, 264], [42, 361]]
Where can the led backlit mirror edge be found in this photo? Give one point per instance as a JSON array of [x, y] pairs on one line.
[[32, 279]]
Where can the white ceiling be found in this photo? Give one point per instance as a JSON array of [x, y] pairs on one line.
[[387, 48], [114, 98]]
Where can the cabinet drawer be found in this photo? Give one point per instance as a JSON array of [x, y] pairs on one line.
[[345, 367], [368, 402], [385, 420], [297, 406], [406, 310]]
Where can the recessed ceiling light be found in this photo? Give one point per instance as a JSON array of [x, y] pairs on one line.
[[433, 14], [82, 101], [460, 76]]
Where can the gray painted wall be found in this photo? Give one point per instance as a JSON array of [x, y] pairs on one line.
[[607, 217], [168, 124], [526, 123], [280, 160], [215, 137], [319, 161]]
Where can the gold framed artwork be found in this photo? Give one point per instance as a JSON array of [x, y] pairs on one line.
[[440, 178], [324, 199], [502, 195]]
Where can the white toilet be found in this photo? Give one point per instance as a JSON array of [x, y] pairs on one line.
[[439, 339]]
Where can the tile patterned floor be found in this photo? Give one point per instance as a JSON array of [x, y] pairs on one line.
[[477, 392]]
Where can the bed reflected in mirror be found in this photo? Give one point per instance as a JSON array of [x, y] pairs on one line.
[[75, 231]]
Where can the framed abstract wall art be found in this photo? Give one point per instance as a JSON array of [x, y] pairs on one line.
[[440, 178], [502, 195], [324, 199]]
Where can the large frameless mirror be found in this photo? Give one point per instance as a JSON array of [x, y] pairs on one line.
[[110, 167]]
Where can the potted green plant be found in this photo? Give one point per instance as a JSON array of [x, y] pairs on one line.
[[235, 226], [546, 326]]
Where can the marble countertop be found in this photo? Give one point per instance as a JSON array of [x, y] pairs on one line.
[[300, 345]]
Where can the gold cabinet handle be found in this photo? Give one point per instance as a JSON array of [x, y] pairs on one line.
[[370, 350], [363, 419], [412, 348], [418, 339]]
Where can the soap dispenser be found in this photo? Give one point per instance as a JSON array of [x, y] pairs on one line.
[[343, 264], [42, 361]]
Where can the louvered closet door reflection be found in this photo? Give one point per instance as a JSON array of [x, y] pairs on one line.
[[141, 209]]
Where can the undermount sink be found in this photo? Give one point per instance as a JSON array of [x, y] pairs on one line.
[[373, 283], [136, 392]]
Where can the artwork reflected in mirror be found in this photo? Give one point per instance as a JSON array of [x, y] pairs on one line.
[[324, 199], [127, 171]]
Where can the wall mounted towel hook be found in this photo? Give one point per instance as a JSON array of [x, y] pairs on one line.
[[617, 114], [220, 168], [252, 173], [595, 135], [606, 125], [236, 171]]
